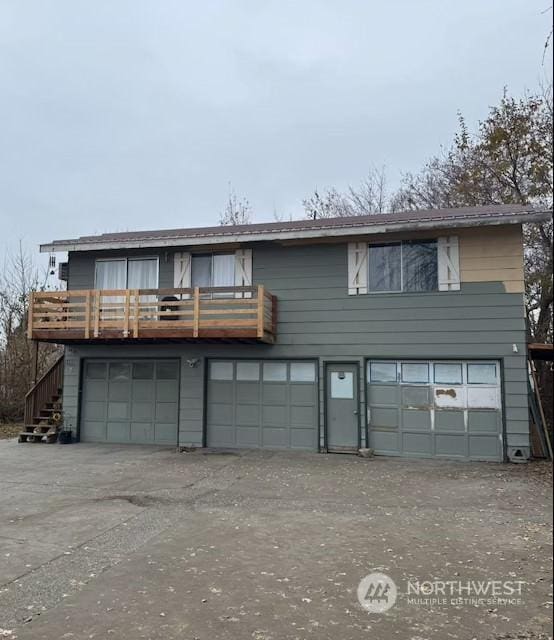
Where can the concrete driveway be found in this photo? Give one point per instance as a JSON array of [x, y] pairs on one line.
[[137, 542]]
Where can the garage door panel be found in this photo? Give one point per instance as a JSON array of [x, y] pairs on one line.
[[248, 436], [248, 393], [386, 442], [383, 394], [119, 371], [303, 438], [248, 414], [416, 443], [221, 435], [450, 397], [483, 421], [96, 390], [451, 445], [142, 432], [484, 447], [118, 432], [384, 417], [446, 420], [143, 391], [93, 431], [274, 415], [164, 433], [94, 411], [118, 410], [416, 397], [302, 416], [274, 437], [167, 412], [167, 370], [274, 393], [119, 391], [142, 411], [221, 392], [220, 413], [303, 394], [167, 390], [415, 419], [128, 404]]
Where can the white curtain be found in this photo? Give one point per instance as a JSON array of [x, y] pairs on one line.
[[223, 272], [110, 274], [142, 274]]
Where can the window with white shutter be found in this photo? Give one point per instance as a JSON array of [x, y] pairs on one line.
[[243, 271], [357, 268], [182, 271], [449, 263]]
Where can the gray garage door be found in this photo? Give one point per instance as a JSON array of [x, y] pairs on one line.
[[130, 401], [445, 409], [262, 404]]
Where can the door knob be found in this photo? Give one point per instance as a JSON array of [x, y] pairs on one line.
[[355, 412]]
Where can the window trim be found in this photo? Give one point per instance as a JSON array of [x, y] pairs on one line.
[[128, 259], [401, 244]]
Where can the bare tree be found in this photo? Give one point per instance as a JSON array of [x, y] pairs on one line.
[[19, 277], [369, 197], [237, 210]]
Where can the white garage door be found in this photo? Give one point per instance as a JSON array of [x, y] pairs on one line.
[[435, 408], [262, 404]]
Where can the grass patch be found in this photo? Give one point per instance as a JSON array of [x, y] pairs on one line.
[[9, 430]]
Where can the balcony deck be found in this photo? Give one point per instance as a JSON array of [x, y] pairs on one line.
[[205, 314]]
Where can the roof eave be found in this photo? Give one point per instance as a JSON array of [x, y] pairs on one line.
[[299, 234]]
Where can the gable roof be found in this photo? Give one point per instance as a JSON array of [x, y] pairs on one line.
[[296, 229]]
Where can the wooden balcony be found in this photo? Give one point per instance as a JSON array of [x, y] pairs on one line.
[[218, 314]]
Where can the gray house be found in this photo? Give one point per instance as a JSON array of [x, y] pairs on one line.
[[403, 332]]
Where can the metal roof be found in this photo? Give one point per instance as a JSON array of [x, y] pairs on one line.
[[307, 228]]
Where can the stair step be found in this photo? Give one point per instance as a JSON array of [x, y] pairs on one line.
[[46, 438]]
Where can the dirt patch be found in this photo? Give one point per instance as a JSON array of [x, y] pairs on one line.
[[8, 431]]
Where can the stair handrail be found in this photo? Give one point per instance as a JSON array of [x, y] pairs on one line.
[[30, 409]]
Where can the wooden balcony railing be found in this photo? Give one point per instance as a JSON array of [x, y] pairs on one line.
[[244, 313]]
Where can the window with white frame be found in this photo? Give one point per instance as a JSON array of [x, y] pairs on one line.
[[403, 266], [126, 273]]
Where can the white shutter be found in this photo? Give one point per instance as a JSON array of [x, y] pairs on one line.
[[357, 268], [449, 263], [243, 271], [182, 263]]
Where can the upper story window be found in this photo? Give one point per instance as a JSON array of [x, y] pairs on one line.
[[127, 273], [213, 270], [403, 266]]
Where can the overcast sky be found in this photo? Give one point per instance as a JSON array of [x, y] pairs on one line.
[[135, 114]]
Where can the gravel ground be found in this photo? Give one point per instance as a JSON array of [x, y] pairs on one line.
[[145, 543]]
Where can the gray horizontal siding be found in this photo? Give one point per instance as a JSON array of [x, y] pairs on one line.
[[317, 318]]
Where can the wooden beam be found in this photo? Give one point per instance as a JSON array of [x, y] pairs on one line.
[[196, 316], [261, 306], [87, 315], [30, 311]]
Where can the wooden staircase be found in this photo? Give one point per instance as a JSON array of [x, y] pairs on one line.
[[43, 407]]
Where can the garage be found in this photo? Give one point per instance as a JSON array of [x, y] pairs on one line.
[[262, 404], [130, 401], [449, 409]]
